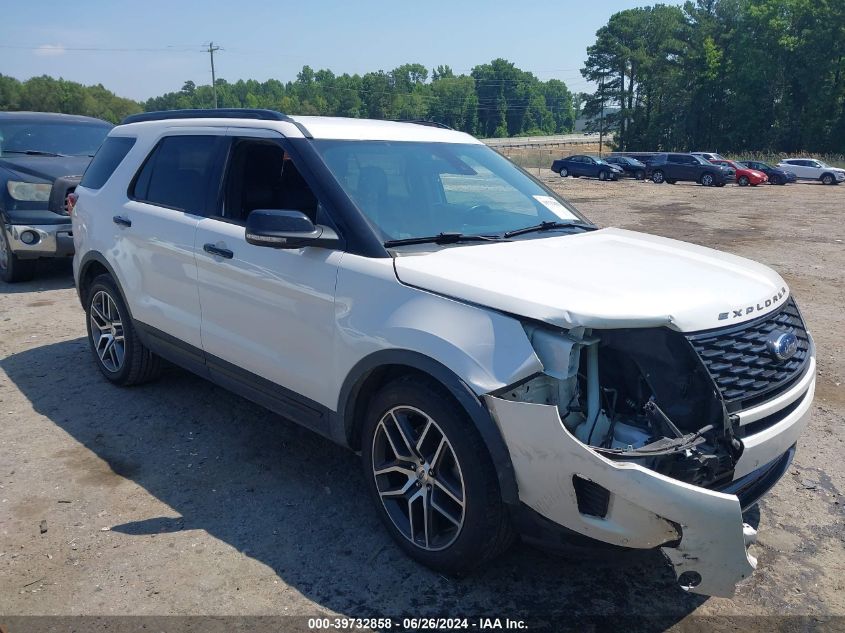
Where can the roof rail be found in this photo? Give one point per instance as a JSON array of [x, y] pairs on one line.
[[221, 113], [429, 124]]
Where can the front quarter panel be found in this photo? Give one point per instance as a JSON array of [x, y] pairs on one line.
[[374, 312]]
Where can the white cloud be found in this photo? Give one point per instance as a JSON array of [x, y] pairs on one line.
[[50, 50]]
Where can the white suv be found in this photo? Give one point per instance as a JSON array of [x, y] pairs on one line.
[[503, 366], [812, 169]]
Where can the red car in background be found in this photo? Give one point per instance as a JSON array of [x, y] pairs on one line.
[[744, 176]]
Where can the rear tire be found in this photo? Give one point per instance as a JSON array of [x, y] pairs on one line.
[[118, 351], [742, 181], [12, 268], [439, 467], [640, 175]]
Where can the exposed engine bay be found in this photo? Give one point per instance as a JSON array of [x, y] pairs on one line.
[[636, 395]]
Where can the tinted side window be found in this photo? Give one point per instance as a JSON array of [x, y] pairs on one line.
[[108, 157], [176, 173]]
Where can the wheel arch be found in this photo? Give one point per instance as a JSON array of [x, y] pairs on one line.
[[91, 266], [376, 370]]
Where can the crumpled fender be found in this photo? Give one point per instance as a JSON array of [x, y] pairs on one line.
[[646, 509]]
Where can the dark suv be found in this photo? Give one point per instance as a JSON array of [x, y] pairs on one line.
[[673, 168], [42, 157]]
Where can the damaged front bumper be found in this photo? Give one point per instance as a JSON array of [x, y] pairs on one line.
[[701, 531]]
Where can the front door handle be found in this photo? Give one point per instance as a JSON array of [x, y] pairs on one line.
[[216, 250], [119, 219]]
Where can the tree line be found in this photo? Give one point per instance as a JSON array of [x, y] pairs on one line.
[[723, 75], [46, 94], [495, 99]]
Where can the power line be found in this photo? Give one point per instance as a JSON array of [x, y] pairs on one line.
[[95, 49]]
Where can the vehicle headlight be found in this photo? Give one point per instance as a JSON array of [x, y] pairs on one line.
[[29, 191]]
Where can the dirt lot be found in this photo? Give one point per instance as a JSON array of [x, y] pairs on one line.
[[179, 498]]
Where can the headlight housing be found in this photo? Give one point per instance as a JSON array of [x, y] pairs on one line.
[[29, 191]]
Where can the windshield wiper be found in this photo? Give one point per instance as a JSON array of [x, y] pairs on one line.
[[443, 238], [32, 152], [547, 226]]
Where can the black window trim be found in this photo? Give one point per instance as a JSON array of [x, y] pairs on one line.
[[224, 162], [134, 140], [213, 172]]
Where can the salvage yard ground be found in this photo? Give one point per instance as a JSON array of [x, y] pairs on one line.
[[180, 498]]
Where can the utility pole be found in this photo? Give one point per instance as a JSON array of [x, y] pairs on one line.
[[211, 49]]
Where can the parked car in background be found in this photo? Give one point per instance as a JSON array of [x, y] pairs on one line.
[[776, 175], [42, 156], [582, 165], [709, 155], [522, 370], [812, 169], [630, 166], [672, 168], [644, 157], [744, 175]]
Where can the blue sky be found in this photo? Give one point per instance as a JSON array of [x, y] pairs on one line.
[[264, 39]]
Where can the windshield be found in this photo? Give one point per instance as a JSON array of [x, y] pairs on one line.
[[417, 189], [701, 160], [71, 139]]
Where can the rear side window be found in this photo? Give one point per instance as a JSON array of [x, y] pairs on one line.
[[108, 157], [176, 173]]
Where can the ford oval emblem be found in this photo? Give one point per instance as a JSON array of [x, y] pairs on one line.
[[782, 345]]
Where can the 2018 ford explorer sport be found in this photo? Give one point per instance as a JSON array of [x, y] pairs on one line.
[[504, 366]]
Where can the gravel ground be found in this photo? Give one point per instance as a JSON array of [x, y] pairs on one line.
[[180, 498]]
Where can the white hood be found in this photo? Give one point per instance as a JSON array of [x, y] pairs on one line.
[[609, 278]]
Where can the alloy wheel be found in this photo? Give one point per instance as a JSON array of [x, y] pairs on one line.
[[418, 478], [707, 180], [107, 331]]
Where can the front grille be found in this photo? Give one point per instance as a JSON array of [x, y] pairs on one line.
[[740, 363]]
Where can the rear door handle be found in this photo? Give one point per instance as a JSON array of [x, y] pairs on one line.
[[119, 219], [216, 250]]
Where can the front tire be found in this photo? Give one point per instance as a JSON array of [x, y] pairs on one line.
[[564, 172], [12, 268], [432, 479], [603, 175], [707, 180], [658, 177], [828, 179], [119, 353]]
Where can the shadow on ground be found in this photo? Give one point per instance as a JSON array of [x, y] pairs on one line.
[[51, 274], [296, 503]]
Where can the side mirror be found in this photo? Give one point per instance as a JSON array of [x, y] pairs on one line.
[[280, 228]]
